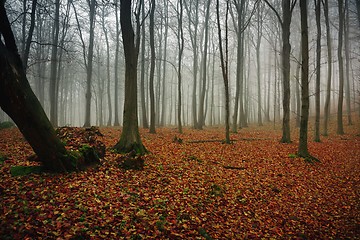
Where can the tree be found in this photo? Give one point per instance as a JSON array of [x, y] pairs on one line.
[[89, 65], [340, 126], [20, 103], [329, 66], [103, 24], [303, 146], [285, 22], [53, 71], [180, 37], [347, 62], [130, 137], [318, 59], [152, 67], [192, 10], [259, 25], [224, 67], [145, 123], [201, 120], [116, 75]]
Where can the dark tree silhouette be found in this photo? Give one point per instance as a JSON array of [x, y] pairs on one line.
[[19, 101]]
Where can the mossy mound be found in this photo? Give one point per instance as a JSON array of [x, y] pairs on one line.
[[4, 125]]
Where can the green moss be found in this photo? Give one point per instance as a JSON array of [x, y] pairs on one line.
[[2, 159], [25, 170], [4, 125]]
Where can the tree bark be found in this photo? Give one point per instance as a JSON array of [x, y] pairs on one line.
[[201, 121], [340, 126], [20, 103], [152, 68], [89, 69], [224, 67], [318, 66], [53, 64], [116, 74], [303, 147], [329, 65], [145, 123], [130, 137], [180, 36]]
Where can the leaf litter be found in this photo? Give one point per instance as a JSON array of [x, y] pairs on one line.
[[192, 189]]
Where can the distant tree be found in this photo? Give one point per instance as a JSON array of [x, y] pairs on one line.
[[329, 67], [105, 30], [259, 33], [318, 66], [25, 56], [20, 103], [201, 120], [116, 67], [340, 126], [89, 65], [224, 66], [285, 22], [54, 66], [152, 67], [192, 10], [347, 61], [145, 123], [180, 37], [130, 137]]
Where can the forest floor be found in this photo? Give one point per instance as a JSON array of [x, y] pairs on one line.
[[253, 188]]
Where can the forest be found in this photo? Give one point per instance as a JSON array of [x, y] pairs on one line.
[[170, 119]]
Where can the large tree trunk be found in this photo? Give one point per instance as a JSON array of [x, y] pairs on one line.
[[130, 136], [286, 70], [303, 147], [20, 103]]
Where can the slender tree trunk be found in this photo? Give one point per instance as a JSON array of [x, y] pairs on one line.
[[163, 96], [297, 91], [89, 68], [53, 66], [145, 123], [224, 67], [30, 34], [180, 36], [201, 122], [108, 78], [258, 72], [193, 31], [303, 147], [286, 70], [116, 73], [340, 127], [329, 64], [347, 63], [318, 66], [152, 68]]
